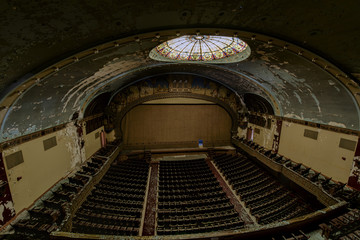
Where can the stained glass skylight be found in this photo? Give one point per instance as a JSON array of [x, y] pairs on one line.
[[202, 48]]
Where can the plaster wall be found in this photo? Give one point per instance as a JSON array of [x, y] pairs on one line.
[[41, 169], [92, 144], [323, 155], [241, 132], [266, 136], [110, 136]]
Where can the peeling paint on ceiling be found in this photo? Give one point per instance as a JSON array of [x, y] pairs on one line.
[[299, 87], [35, 34]]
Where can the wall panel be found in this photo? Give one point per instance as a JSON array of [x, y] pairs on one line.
[[322, 154], [92, 144], [265, 136], [41, 169]]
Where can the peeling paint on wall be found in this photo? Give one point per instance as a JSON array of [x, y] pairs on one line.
[[4, 207], [354, 177], [73, 144], [277, 135], [336, 124], [292, 115], [7, 210]]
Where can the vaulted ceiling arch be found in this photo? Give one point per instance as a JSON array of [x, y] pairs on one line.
[[298, 83]]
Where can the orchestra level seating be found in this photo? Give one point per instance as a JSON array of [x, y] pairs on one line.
[[192, 201]]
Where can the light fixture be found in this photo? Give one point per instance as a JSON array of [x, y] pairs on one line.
[[202, 49]]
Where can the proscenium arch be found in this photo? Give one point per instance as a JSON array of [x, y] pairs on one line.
[[118, 118], [175, 72], [213, 73]]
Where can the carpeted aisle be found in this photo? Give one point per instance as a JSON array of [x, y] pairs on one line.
[[150, 212]]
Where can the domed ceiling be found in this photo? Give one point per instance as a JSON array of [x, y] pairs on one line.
[[57, 56], [201, 48]]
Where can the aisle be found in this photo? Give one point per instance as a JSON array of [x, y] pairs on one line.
[[150, 212]]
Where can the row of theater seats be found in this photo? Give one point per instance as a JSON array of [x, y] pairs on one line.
[[116, 203], [175, 228], [344, 227], [108, 150], [266, 198], [42, 221], [49, 213], [192, 201], [106, 229], [337, 189], [93, 166], [110, 221]]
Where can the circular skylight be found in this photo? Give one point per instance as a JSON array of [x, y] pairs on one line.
[[202, 48]]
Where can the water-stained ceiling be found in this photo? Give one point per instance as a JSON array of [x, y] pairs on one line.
[[45, 77]]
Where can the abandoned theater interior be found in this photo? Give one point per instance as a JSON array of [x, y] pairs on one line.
[[180, 119]]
